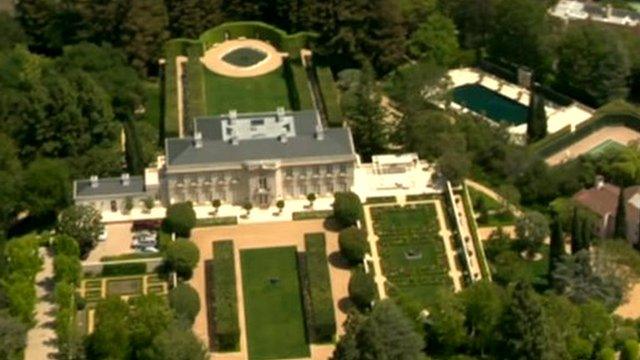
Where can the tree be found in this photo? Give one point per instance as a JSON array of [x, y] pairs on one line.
[[483, 306], [577, 241], [128, 204], [532, 229], [280, 206], [593, 64], [347, 208], [185, 302], [446, 330], [454, 166], [13, 334], [177, 342], [587, 231], [311, 197], [526, 329], [149, 316], [362, 289], [148, 203], [144, 33], [82, 223], [518, 34], [360, 104], [216, 203], [180, 219], [20, 296], [11, 33], [182, 256], [102, 161], [580, 280], [556, 246], [190, 18], [67, 269], [10, 176], [66, 245], [353, 244], [536, 118], [620, 229], [385, 334], [247, 206], [46, 187], [22, 257], [111, 338], [435, 40]]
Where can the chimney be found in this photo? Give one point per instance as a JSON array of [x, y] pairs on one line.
[[283, 138], [124, 179], [235, 140], [197, 140], [319, 133], [609, 9], [94, 181], [599, 183], [233, 115]]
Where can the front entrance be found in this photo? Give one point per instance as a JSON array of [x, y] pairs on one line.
[[263, 200]]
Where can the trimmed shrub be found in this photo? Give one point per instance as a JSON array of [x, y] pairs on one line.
[[223, 306], [133, 268], [67, 268], [321, 313], [66, 245], [347, 208], [182, 256], [362, 289], [181, 218], [353, 244], [606, 354], [630, 350], [184, 300]]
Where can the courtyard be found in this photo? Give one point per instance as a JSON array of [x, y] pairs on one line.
[[252, 243]]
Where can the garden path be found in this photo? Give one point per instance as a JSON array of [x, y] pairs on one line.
[[372, 238], [42, 337]]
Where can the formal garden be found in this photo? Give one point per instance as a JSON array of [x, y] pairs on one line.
[[411, 250], [285, 292]]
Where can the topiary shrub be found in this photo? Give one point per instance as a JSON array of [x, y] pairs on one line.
[[362, 289], [181, 256], [630, 350], [181, 218], [66, 245], [606, 354], [132, 268], [184, 300], [353, 244], [347, 208]]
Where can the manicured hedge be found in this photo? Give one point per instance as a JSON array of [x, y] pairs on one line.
[[302, 86], [353, 244], [477, 243], [217, 221], [291, 44], [362, 289], [132, 268], [380, 200], [330, 98], [347, 208], [223, 307], [310, 215], [321, 314], [294, 95], [196, 104]]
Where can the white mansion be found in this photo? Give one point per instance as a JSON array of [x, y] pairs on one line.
[[237, 158]]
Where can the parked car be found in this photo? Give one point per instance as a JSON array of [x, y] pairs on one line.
[[149, 249], [146, 225]]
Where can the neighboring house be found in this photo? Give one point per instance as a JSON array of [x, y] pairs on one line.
[[602, 200], [237, 158], [577, 10]]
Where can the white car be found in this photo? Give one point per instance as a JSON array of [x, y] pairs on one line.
[[103, 235], [149, 249]]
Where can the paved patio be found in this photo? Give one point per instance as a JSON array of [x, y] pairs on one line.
[[270, 234], [119, 238]]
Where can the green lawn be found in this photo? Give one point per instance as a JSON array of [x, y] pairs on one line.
[[273, 304], [608, 146], [412, 252], [497, 215], [255, 94]]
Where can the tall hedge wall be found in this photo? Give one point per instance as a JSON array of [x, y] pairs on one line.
[[302, 86], [223, 309], [329, 92], [320, 312], [291, 44]]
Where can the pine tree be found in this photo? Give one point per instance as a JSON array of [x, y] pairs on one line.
[[556, 248], [576, 232], [536, 118], [620, 230]]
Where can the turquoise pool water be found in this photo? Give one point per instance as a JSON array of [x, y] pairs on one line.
[[490, 104]]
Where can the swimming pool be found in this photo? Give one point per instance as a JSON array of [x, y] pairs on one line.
[[490, 104]]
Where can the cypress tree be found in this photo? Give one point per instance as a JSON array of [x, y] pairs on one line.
[[536, 118], [576, 232], [587, 231], [556, 247], [620, 230]]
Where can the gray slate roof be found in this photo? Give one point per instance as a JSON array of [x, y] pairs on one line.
[[181, 151], [109, 187]]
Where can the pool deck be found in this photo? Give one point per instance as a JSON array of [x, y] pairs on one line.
[[558, 117]]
